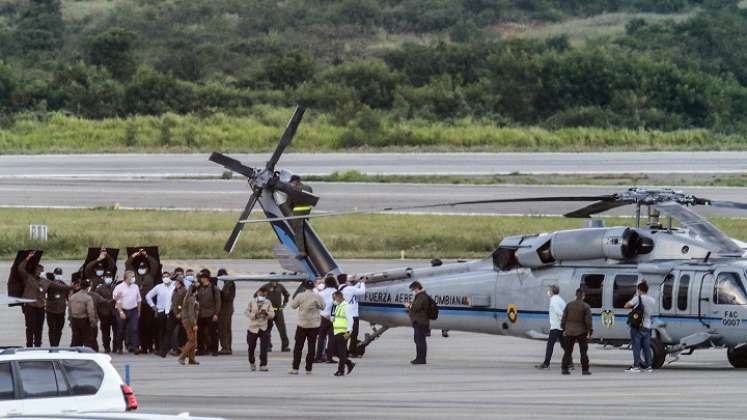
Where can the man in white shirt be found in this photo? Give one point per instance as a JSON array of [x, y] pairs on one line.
[[161, 307], [640, 337], [557, 306], [127, 298], [352, 290], [325, 344]]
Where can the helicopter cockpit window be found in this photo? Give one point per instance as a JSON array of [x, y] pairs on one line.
[[666, 293], [729, 290], [592, 285], [624, 289]]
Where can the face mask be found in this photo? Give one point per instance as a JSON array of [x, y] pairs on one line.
[[108, 280], [58, 277], [99, 273], [189, 279], [142, 271], [261, 298], [549, 293], [167, 280], [320, 286]]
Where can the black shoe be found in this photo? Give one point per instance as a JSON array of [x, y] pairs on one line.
[[331, 362], [542, 366], [163, 355], [566, 372], [214, 354], [201, 353], [225, 352], [417, 362], [286, 350], [194, 362], [338, 373], [586, 372], [350, 367]]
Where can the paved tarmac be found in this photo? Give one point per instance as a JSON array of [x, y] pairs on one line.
[[232, 195], [109, 166], [469, 376]]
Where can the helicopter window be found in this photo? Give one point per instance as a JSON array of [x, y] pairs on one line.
[[666, 293], [592, 284], [682, 292], [623, 289], [730, 290]]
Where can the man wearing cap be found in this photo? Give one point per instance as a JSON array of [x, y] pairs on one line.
[[56, 307], [209, 303], [279, 296], [35, 287], [94, 271], [105, 309], [82, 314], [308, 304]]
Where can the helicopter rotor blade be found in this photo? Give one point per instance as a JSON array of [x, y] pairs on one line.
[[239, 226], [727, 204], [231, 164], [702, 227], [598, 207], [287, 137]]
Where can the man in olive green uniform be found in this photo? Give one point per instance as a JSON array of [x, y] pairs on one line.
[[34, 287], [105, 310], [56, 307], [94, 271], [82, 314], [227, 294], [209, 303], [279, 296]]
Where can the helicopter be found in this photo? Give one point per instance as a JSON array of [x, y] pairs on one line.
[[696, 273]]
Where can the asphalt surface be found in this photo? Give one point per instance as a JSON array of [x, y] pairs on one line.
[[108, 166], [468, 376], [231, 195]]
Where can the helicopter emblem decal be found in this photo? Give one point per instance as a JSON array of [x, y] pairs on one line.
[[512, 312], [608, 318]]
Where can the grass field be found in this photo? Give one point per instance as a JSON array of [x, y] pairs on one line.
[[190, 235], [260, 127]]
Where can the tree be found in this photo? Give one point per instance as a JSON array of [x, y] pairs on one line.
[[7, 86], [40, 27], [113, 50], [289, 70], [89, 91]]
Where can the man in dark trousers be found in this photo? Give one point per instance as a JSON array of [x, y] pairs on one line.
[[279, 297], [34, 287], [56, 307], [418, 311], [147, 275], [577, 328], [209, 303], [105, 310], [94, 271], [82, 314], [227, 294]]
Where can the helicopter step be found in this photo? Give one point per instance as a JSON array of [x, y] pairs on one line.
[[691, 342], [370, 338]]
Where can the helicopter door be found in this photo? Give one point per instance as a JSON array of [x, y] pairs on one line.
[[729, 304]]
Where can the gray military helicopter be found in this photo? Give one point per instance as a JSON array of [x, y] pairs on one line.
[[696, 273]]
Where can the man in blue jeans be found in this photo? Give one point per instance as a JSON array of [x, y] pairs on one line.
[[555, 311], [641, 337], [127, 298]]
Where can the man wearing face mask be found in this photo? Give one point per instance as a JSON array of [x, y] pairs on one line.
[[94, 270], [127, 298], [105, 310], [189, 278], [209, 301], [147, 271], [175, 317], [557, 306], [82, 314], [227, 294], [352, 290], [259, 312], [56, 307], [279, 296], [35, 287], [159, 299]]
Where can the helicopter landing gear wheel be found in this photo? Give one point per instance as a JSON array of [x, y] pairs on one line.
[[658, 353], [737, 357]]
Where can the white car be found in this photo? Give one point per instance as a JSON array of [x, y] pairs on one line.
[[60, 381]]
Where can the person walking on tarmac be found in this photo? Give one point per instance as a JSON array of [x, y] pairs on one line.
[[279, 296], [147, 274], [105, 310], [557, 306], [227, 295], [308, 303], [35, 288], [342, 325], [260, 311], [189, 317], [82, 314], [209, 300], [56, 307], [577, 328], [353, 290], [175, 314], [418, 311]]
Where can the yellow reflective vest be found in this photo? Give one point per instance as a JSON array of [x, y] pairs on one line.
[[340, 323]]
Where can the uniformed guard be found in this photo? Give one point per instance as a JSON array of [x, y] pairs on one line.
[[227, 294], [147, 275], [342, 325], [82, 314], [209, 302], [188, 315], [94, 270], [93, 335], [105, 310], [279, 296], [175, 314], [56, 307], [34, 287]]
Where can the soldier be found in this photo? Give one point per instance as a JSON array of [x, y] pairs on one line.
[[175, 318], [577, 327], [34, 287], [188, 315], [82, 314], [147, 274], [93, 335], [56, 307], [209, 300], [279, 296], [94, 271], [228, 294], [105, 310]]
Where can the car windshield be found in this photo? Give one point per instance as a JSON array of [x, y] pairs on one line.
[[730, 290]]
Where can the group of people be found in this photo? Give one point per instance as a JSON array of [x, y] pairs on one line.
[[572, 323], [148, 311]]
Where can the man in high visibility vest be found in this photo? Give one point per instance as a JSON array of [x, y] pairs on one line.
[[342, 325], [299, 210]]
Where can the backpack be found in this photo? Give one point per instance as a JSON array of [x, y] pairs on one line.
[[432, 310], [635, 317]]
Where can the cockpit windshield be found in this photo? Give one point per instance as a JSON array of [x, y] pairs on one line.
[[729, 290]]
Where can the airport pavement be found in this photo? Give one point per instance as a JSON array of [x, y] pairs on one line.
[[469, 376], [231, 195], [109, 166]]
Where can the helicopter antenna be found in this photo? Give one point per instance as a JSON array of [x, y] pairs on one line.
[[708, 255]]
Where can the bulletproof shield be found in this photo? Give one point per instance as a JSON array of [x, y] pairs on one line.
[[93, 253], [152, 250], [15, 282]]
